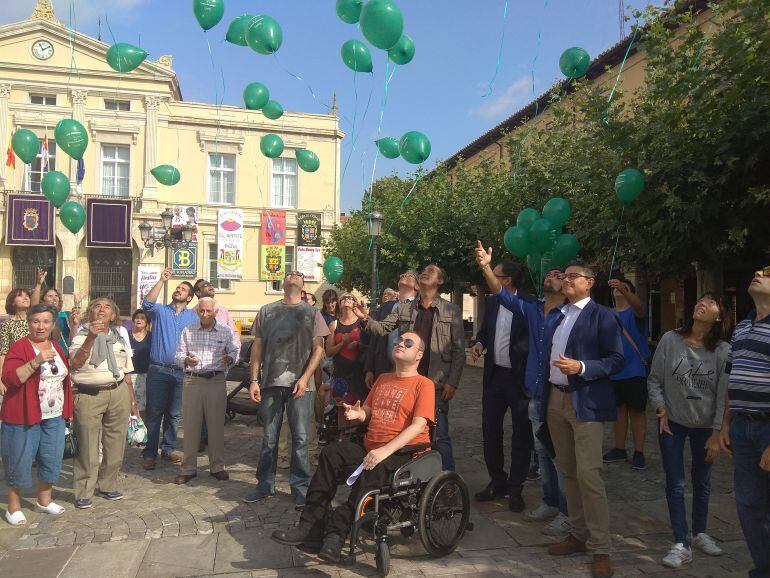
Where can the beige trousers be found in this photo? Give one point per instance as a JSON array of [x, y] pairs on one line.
[[100, 417], [204, 398], [578, 446]]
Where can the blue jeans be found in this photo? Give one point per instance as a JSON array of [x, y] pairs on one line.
[[443, 441], [299, 413], [553, 487], [748, 439], [22, 444], [672, 457], [164, 403]]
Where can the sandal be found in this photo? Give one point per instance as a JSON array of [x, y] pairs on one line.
[[16, 519], [53, 508]]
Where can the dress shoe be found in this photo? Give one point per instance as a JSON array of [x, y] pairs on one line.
[[184, 478], [601, 567], [331, 551], [148, 463], [174, 457], [516, 503], [490, 493], [570, 545], [221, 475]]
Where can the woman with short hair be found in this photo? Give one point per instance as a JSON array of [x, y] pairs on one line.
[[16, 304], [140, 339], [36, 403]]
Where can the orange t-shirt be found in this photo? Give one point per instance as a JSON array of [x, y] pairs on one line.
[[395, 402]]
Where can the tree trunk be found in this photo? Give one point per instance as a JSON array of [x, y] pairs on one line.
[[710, 280]]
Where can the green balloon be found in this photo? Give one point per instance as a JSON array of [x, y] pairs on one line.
[[307, 160], [71, 137], [333, 269], [565, 249], [271, 145], [557, 211], [356, 56], [541, 235], [72, 215], [388, 147], [236, 32], [349, 11], [517, 242], [264, 34], [382, 23], [55, 187], [273, 110], [629, 184], [123, 57], [255, 96], [574, 62], [403, 51], [414, 147], [208, 13], [25, 144], [166, 174], [526, 218]]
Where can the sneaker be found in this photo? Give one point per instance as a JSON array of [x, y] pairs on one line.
[[559, 526], [615, 455], [257, 495], [638, 462], [534, 474], [83, 503], [706, 544], [542, 513], [114, 496], [677, 556]]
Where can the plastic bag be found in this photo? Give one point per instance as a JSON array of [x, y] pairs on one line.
[[137, 431]]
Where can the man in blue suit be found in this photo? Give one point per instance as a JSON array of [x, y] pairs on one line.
[[505, 337]]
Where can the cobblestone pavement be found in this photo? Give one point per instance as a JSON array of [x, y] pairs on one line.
[[163, 530]]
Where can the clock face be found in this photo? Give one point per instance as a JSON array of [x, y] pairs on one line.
[[42, 50]]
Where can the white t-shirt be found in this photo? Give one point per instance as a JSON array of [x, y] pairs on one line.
[[51, 389]]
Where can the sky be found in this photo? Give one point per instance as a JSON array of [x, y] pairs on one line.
[[444, 92]]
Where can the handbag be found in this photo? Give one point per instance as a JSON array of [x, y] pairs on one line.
[[70, 441], [543, 435]]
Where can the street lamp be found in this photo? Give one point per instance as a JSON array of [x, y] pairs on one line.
[[163, 238], [375, 227]]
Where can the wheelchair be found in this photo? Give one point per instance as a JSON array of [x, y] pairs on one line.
[[420, 498]]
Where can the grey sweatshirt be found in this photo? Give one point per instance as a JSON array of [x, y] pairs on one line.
[[689, 382]]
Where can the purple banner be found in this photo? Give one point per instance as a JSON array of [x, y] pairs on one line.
[[108, 223], [29, 220]]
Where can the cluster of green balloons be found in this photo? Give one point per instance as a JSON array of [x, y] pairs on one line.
[[333, 269], [124, 57], [539, 238], [256, 96], [574, 62], [629, 184], [260, 32], [167, 175], [413, 147], [382, 24]]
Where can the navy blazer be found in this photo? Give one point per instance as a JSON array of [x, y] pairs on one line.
[[595, 340], [519, 341]]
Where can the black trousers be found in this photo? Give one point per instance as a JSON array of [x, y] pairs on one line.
[[335, 464], [499, 395]]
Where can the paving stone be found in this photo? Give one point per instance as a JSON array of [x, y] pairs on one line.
[[116, 560], [251, 550], [184, 556], [30, 563]]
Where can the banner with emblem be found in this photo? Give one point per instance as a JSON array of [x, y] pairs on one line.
[[272, 263], [29, 220], [230, 244], [184, 261], [273, 229], [109, 223], [308, 229]]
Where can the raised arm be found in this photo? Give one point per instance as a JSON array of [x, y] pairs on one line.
[[154, 293], [34, 298]]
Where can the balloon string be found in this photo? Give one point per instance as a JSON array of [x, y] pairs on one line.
[[383, 104], [499, 52], [70, 35], [403, 204], [617, 239], [606, 118], [357, 135], [217, 100]]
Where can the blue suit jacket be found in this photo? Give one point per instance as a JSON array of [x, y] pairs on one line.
[[595, 340]]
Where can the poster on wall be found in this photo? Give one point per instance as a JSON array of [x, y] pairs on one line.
[[272, 263], [185, 262], [230, 244], [309, 230], [147, 276], [273, 229], [309, 262], [183, 215]]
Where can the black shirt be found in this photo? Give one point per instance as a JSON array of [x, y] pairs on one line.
[[423, 326], [141, 358]]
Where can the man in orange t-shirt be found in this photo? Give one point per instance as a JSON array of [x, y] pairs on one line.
[[399, 409]]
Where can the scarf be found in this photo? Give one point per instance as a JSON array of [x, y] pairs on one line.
[[104, 349]]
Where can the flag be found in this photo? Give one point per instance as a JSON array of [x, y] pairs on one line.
[[81, 171], [44, 157], [10, 158]]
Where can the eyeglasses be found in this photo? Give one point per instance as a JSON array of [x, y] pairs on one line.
[[295, 274], [573, 276], [408, 342], [347, 298]]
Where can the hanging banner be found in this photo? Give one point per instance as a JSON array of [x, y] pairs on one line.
[[109, 223], [185, 262], [309, 262], [272, 263], [229, 244], [273, 229], [308, 229], [146, 278], [29, 220]]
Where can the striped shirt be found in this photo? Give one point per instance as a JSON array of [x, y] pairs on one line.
[[749, 367]]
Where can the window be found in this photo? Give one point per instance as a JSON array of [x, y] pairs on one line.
[[46, 99], [115, 169], [289, 266], [123, 105], [284, 193], [221, 178], [33, 173], [219, 284]]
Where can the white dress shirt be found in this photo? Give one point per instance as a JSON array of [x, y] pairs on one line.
[[503, 337], [571, 312]]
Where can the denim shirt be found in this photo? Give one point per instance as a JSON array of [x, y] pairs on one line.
[[167, 328]]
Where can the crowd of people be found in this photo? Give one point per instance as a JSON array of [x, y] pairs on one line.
[[562, 364]]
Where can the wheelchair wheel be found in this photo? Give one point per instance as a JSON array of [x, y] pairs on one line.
[[382, 558], [444, 512]]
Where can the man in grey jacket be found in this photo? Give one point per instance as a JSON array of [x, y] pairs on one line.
[[439, 324]]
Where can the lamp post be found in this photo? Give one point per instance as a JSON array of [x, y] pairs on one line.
[[163, 237], [375, 227]]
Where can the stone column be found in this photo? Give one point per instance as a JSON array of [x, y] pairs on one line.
[[152, 104], [5, 172], [78, 114]]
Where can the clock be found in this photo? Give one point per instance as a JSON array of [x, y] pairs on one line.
[[42, 50]]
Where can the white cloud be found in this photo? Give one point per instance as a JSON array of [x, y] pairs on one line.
[[515, 96], [86, 12]]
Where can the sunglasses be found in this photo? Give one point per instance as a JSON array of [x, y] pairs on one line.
[[295, 274], [347, 298], [765, 271], [408, 342]]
